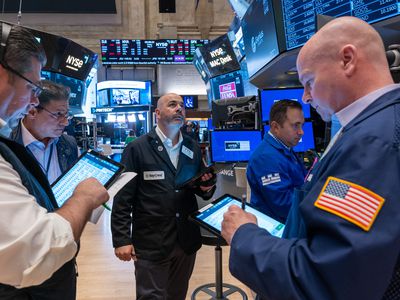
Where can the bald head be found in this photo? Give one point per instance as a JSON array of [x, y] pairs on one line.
[[167, 97], [336, 64]]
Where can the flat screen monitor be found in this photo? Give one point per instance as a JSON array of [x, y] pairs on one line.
[[219, 57], [227, 86], [259, 35], [144, 52], [123, 96], [190, 101], [306, 142], [269, 97], [234, 145]]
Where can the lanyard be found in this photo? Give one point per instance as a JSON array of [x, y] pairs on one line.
[[46, 171]]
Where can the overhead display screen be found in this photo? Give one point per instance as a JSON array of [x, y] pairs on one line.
[[299, 16], [259, 35], [143, 52]]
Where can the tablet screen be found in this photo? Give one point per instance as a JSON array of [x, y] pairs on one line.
[[212, 216], [90, 164]]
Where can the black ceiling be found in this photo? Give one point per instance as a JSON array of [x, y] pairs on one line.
[[60, 6]]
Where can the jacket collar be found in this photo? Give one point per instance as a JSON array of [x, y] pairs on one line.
[[274, 142]]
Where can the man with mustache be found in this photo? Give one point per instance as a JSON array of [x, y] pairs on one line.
[[162, 242], [41, 131]]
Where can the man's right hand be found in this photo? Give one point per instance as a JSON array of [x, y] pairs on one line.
[[125, 253], [92, 190]]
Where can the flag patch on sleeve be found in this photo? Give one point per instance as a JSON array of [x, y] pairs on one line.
[[350, 201]]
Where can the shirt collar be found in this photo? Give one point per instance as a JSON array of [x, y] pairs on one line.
[[354, 109], [2, 123], [28, 138], [279, 141], [166, 140]]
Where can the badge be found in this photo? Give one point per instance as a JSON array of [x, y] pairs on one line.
[[350, 201], [153, 175], [270, 179], [160, 148], [187, 152]]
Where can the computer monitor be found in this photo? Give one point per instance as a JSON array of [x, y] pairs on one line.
[[269, 97], [306, 142], [234, 145]]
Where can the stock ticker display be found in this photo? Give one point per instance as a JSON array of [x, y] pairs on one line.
[[149, 51], [299, 15]]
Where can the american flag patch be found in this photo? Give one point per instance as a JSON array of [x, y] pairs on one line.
[[350, 201]]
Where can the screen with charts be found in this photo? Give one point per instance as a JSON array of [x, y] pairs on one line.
[[306, 142], [234, 145], [90, 164], [269, 97], [211, 216]]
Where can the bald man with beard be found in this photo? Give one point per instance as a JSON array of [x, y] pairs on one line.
[[345, 243], [162, 242]]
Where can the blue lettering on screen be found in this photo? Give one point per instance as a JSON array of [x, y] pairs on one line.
[[269, 97], [233, 146], [88, 166], [299, 16], [306, 142]]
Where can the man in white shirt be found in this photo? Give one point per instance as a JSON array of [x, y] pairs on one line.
[[36, 238], [41, 131]]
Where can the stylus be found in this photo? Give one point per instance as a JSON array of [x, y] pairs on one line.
[[244, 202], [106, 206]]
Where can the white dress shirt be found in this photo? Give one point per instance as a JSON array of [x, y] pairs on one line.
[[33, 243], [173, 151]]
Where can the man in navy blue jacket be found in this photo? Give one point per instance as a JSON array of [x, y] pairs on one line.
[[346, 244], [274, 170]]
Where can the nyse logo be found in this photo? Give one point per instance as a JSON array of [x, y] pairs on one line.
[[74, 63], [256, 41]]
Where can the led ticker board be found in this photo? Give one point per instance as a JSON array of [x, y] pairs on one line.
[[143, 52], [299, 16]]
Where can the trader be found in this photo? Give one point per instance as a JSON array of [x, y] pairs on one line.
[[274, 170], [37, 240], [163, 243], [349, 244], [41, 131]]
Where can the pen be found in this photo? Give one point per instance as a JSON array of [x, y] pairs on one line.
[[244, 202], [106, 206]]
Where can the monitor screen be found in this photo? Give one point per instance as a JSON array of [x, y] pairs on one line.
[[149, 51], [77, 92], [123, 92], [299, 16], [219, 57], [190, 101], [269, 97], [259, 35], [227, 86], [306, 142], [124, 97], [234, 145]]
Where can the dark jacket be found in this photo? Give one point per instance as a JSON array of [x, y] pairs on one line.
[[330, 256], [67, 148], [159, 210], [62, 284]]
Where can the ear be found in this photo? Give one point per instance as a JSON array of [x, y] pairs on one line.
[[349, 58], [274, 126], [32, 113]]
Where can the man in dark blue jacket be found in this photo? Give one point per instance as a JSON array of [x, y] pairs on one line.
[[149, 220], [346, 244], [274, 170]]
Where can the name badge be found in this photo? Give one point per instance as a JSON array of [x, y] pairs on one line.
[[153, 175], [187, 152]]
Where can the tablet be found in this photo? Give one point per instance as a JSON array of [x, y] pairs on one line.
[[210, 216], [195, 180], [89, 164]]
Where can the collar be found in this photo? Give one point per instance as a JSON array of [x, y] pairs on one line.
[[166, 140], [28, 138], [2, 123], [354, 109], [279, 142]]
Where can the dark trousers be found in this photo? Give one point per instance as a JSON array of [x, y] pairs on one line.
[[167, 279], [61, 286]]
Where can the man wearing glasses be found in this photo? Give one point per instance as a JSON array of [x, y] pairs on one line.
[[38, 239], [41, 131]]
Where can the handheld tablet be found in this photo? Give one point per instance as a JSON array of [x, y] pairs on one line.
[[89, 164], [210, 216], [195, 180]]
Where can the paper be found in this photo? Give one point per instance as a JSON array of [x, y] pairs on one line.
[[112, 191]]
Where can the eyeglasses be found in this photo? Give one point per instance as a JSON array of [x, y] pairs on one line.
[[37, 89], [58, 115]]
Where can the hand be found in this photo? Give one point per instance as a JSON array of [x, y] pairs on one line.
[[235, 217], [92, 190], [208, 177], [126, 253]]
